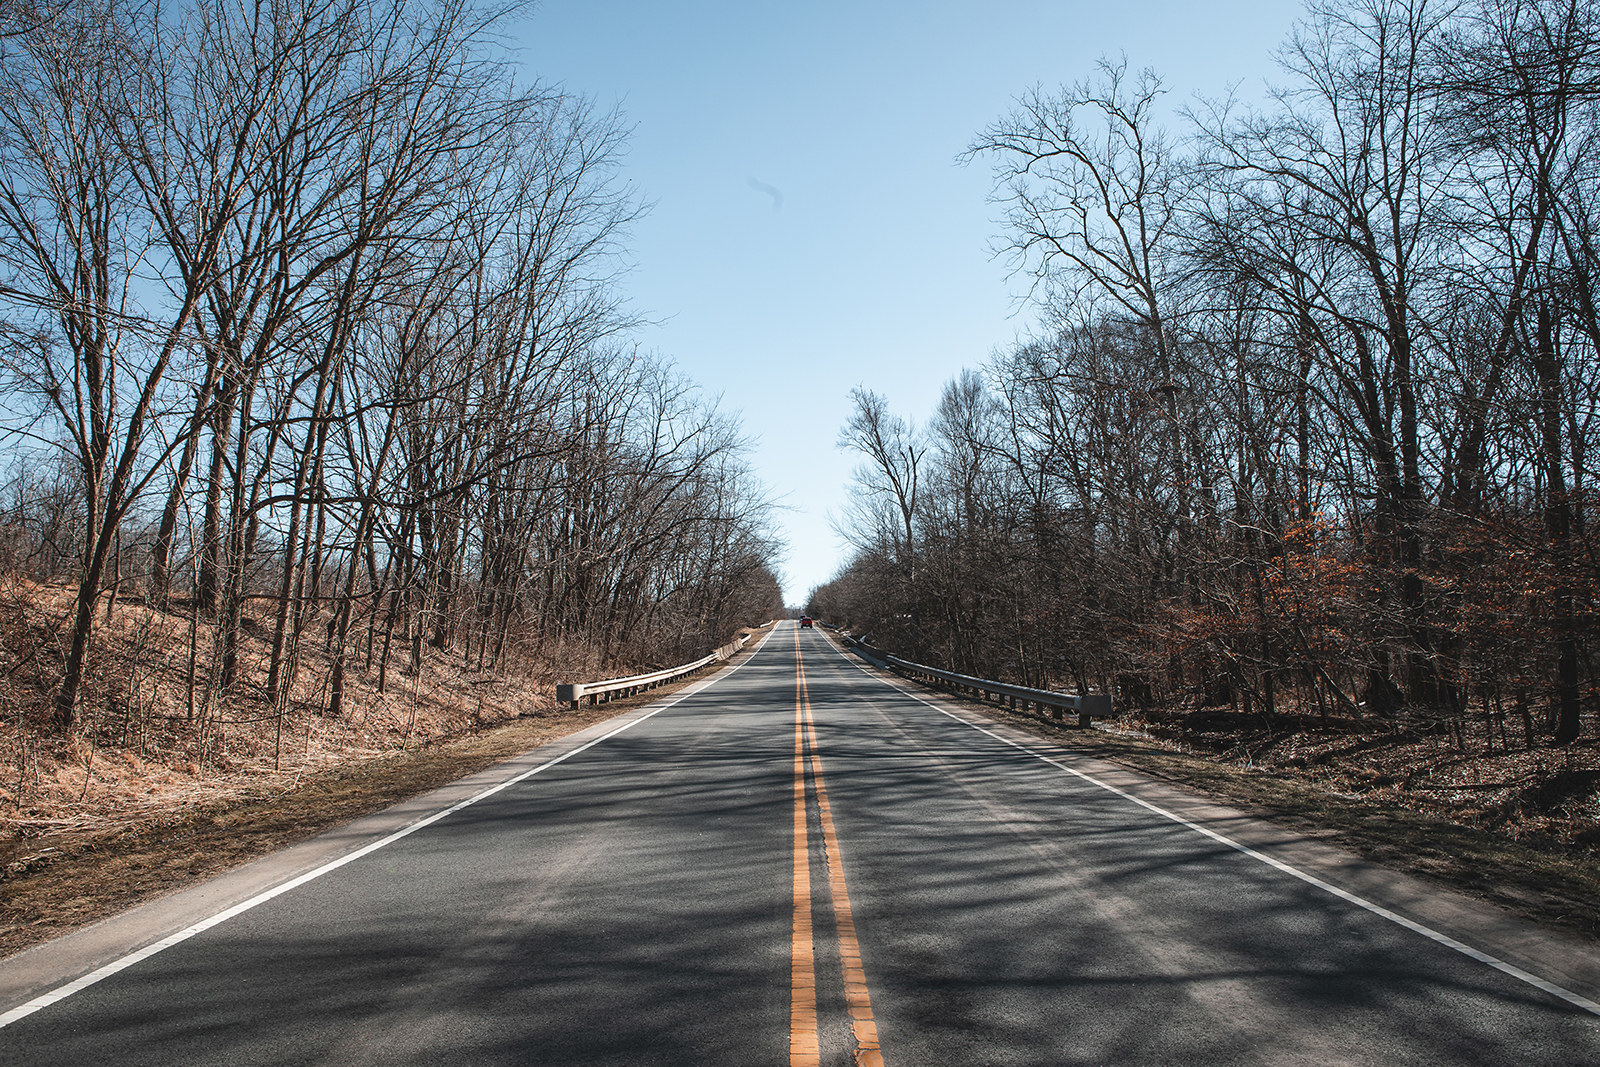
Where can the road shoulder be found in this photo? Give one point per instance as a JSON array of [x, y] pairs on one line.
[[1564, 956], [253, 848]]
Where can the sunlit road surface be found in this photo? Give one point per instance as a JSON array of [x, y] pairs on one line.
[[796, 863]]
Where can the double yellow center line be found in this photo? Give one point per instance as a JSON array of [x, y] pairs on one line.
[[804, 1050]]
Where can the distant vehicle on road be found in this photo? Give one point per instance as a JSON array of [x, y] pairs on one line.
[[805, 620]]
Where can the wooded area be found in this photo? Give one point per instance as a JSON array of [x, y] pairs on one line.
[[315, 356], [1309, 426]]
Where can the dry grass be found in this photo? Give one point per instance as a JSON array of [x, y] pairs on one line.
[[150, 744], [1482, 777]]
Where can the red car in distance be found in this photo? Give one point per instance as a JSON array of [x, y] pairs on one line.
[[805, 621]]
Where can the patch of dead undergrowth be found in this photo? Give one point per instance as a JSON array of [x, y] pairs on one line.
[[1478, 776], [151, 743]]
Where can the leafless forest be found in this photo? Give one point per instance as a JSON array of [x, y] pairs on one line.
[[1309, 428], [316, 366]]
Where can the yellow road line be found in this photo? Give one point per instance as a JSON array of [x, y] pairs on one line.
[[858, 1002], [803, 1048]]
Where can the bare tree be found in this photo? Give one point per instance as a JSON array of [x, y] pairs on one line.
[[80, 343], [1095, 197]]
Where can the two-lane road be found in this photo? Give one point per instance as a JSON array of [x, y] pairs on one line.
[[801, 863]]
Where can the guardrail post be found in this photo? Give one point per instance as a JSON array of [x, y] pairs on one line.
[[1099, 704]]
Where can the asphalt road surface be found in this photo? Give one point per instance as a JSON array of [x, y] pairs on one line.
[[798, 862]]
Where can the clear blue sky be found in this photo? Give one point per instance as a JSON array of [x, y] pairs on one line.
[[811, 229]]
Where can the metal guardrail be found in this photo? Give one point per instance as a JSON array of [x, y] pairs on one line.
[[574, 692], [1017, 697]]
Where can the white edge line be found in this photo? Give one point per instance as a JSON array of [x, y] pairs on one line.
[[1577, 1000], [77, 985]]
